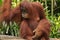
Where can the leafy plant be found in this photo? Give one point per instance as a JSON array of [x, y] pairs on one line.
[[55, 29], [0, 2], [11, 29]]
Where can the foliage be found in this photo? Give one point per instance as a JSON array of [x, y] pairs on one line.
[[15, 3], [11, 29], [0, 2], [55, 28]]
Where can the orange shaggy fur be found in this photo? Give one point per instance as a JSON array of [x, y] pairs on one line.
[[37, 27], [37, 22]]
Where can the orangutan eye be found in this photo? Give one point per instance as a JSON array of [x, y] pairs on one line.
[[23, 10]]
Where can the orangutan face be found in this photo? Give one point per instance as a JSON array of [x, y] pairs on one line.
[[24, 12]]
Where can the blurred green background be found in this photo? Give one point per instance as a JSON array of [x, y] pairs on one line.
[[52, 10]]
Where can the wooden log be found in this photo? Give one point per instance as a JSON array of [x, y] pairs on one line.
[[7, 37]]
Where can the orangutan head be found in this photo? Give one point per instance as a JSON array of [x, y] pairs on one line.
[[28, 11], [24, 12]]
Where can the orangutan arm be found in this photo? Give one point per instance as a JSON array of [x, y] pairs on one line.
[[26, 31], [43, 27], [14, 15]]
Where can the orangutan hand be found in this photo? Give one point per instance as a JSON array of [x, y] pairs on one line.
[[43, 28], [37, 33]]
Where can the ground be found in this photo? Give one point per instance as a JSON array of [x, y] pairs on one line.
[[6, 37]]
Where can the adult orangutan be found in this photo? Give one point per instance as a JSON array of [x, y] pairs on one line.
[[34, 25], [9, 14], [14, 15]]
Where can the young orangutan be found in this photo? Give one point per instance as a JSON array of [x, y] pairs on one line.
[[43, 22], [34, 25]]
